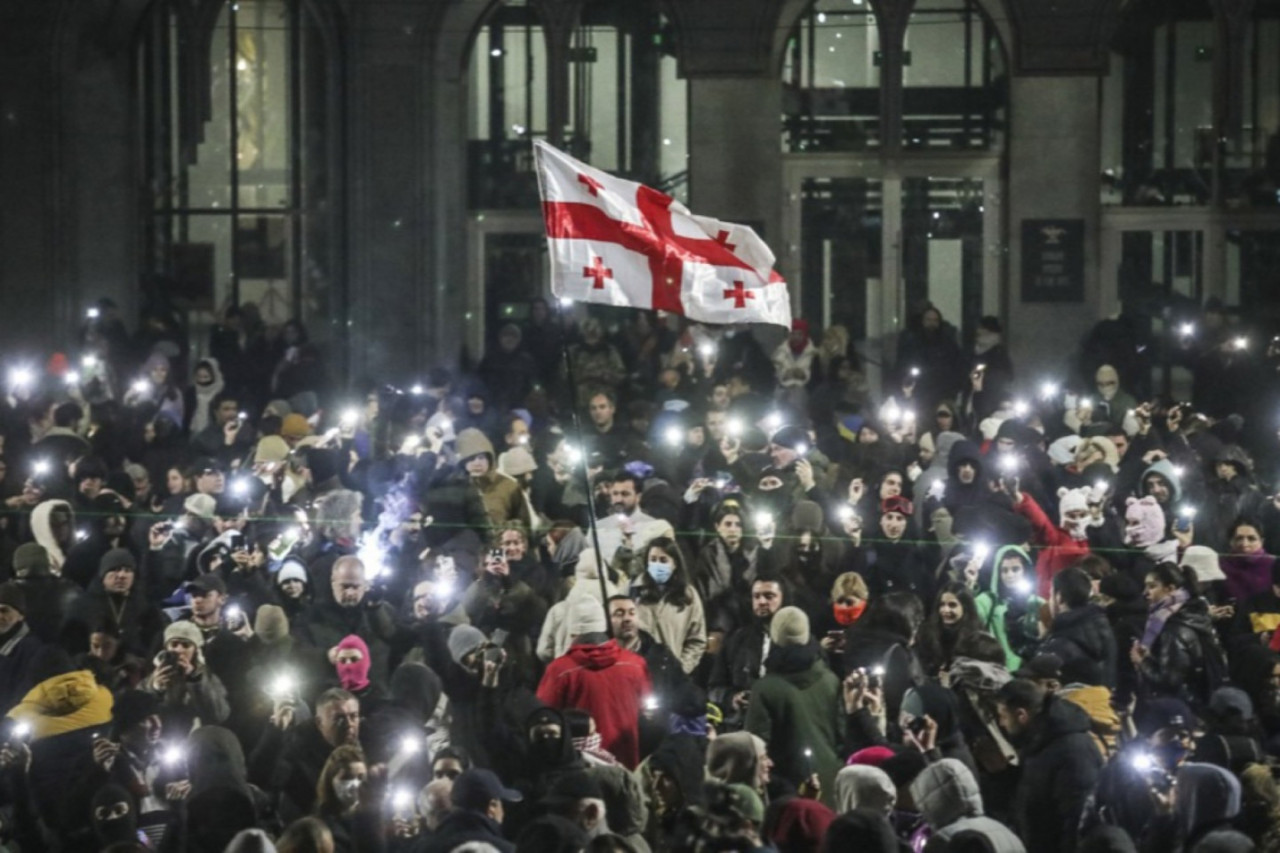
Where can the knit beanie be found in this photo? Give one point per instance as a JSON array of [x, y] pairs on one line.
[[1063, 451], [292, 570], [184, 631], [586, 616], [1144, 522], [791, 437], [116, 558], [271, 624], [806, 515], [517, 461], [271, 448], [789, 627], [31, 560], [463, 640], [12, 595], [295, 426], [1071, 500]]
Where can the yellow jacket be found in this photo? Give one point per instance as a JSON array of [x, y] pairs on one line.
[[64, 703]]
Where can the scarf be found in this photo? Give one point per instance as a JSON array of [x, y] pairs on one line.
[[1160, 613]]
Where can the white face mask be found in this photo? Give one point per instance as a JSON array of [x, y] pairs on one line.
[[347, 791]]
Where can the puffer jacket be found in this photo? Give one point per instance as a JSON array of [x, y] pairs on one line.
[[1083, 639], [64, 703], [610, 683], [503, 500], [947, 795], [1177, 663], [1015, 630], [1060, 766]]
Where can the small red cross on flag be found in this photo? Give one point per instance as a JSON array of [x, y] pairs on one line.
[[616, 242]]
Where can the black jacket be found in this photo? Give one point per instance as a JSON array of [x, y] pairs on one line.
[[1084, 640], [461, 827], [1180, 663], [1060, 766], [738, 664]]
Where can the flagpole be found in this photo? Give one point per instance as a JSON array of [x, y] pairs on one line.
[[602, 565]]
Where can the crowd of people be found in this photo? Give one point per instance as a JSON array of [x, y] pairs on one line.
[[632, 583]]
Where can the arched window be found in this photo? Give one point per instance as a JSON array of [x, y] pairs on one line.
[[238, 109], [831, 79]]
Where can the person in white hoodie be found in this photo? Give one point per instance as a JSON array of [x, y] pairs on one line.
[[554, 641]]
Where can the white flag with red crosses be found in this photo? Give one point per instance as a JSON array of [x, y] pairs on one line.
[[616, 242]]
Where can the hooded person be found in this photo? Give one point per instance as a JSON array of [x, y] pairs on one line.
[[501, 494], [1208, 801], [1009, 609], [793, 707], [1161, 481], [554, 640], [677, 773], [860, 786], [206, 384], [606, 681], [966, 484], [401, 732], [221, 802], [946, 793], [799, 824], [352, 662], [1144, 528], [53, 525], [740, 758]]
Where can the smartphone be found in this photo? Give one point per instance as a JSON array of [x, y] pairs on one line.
[[168, 658], [1182, 524], [917, 726]]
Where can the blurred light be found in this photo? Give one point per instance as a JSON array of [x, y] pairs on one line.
[[1048, 390], [673, 436], [350, 417], [417, 390]]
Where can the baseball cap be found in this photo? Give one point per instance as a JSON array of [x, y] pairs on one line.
[[477, 787], [1041, 667], [572, 787], [206, 583]]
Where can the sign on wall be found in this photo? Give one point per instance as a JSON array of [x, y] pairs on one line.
[[1053, 260]]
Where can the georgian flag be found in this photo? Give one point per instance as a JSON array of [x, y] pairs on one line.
[[616, 242]]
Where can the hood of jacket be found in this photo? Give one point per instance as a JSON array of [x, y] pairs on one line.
[[1164, 468], [1207, 794], [569, 549], [961, 452], [215, 760], [866, 787], [731, 758], [42, 530], [64, 703], [1006, 551], [595, 656], [417, 689], [472, 442], [946, 792]]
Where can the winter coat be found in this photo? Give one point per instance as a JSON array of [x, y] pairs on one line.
[[1083, 639], [503, 500], [739, 663], [18, 650], [462, 827], [200, 699], [1176, 665], [64, 703], [289, 763], [797, 707], [1247, 574], [610, 683], [1060, 766], [787, 363], [723, 579], [554, 639], [947, 795], [994, 607], [1059, 550], [683, 629]]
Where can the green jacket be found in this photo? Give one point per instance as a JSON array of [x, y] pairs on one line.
[[795, 708], [992, 608]]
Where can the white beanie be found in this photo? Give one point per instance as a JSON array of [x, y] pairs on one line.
[[789, 627], [1070, 500]]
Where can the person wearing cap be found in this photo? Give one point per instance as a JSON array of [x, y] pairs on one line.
[[225, 648], [1060, 763], [49, 598], [479, 799], [190, 693], [794, 707], [602, 679], [116, 600], [18, 646]]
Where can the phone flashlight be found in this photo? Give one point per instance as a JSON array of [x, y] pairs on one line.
[[673, 436], [410, 745], [93, 313], [349, 418], [1021, 409], [763, 520], [651, 703]]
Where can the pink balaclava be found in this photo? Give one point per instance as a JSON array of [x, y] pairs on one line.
[[1144, 522], [354, 676]]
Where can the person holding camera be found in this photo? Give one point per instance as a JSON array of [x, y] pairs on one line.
[[190, 694]]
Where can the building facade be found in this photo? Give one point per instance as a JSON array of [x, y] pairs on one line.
[[364, 166]]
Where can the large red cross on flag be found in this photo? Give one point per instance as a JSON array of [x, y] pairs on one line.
[[617, 242]]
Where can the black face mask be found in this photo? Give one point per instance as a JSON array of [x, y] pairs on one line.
[[115, 819]]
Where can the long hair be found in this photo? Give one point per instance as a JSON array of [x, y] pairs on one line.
[[677, 591], [326, 799], [935, 644]]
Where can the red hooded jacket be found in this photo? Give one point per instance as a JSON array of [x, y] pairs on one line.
[[1058, 550], [609, 683]]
